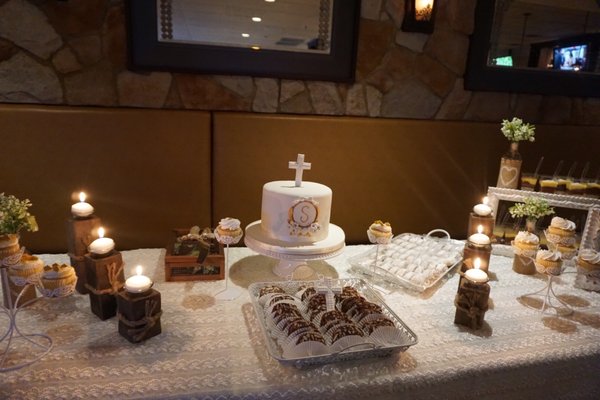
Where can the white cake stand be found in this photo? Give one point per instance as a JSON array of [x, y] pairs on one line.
[[293, 258]]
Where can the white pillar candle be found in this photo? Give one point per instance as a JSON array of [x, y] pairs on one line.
[[475, 274], [82, 209], [138, 283], [483, 209], [479, 238], [101, 245]]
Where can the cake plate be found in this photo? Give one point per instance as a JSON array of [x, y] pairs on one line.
[[293, 258]]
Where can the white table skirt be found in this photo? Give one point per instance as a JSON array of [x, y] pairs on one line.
[[215, 350]]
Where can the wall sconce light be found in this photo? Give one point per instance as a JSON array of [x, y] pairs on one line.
[[419, 15]]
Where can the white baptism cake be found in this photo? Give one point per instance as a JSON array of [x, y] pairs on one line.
[[296, 214]]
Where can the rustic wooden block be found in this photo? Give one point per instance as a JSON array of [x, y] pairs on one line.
[[471, 297], [134, 308], [80, 233], [104, 306], [78, 262], [96, 269]]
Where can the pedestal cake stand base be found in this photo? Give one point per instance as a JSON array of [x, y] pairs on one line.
[[292, 257]]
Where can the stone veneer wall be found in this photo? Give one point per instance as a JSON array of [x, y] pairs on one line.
[[74, 53]]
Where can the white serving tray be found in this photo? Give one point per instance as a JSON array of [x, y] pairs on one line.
[[407, 337], [396, 264]]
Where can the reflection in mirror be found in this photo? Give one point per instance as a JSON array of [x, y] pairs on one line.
[[554, 35], [285, 25]]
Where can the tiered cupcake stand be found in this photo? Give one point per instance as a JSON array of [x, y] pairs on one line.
[[17, 343], [293, 259]]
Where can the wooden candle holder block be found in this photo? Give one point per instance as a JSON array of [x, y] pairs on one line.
[[471, 303], [104, 306], [471, 252], [139, 315], [488, 222], [78, 262], [101, 284], [96, 270], [79, 234]]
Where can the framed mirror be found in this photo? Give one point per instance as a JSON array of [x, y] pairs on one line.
[[536, 46], [584, 211], [293, 39]]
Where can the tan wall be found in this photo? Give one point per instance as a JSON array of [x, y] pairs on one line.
[[149, 171], [145, 171], [74, 52]]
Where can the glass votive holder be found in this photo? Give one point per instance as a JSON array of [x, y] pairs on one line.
[[592, 189], [529, 181], [548, 184], [561, 185], [576, 187]]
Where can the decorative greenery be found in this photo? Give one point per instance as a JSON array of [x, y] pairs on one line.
[[516, 130], [14, 215], [532, 208]]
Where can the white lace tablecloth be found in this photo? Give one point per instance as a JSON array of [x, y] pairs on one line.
[[215, 350]]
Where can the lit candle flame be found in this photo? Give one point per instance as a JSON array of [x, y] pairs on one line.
[[486, 200], [101, 232], [138, 270], [422, 4], [477, 263], [81, 197], [479, 228]]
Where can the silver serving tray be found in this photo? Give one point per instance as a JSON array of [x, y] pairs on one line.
[[363, 265], [407, 336]]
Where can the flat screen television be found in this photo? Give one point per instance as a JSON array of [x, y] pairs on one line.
[[571, 57]]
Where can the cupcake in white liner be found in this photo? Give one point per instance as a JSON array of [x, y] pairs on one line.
[[548, 262], [308, 345], [27, 271], [561, 231], [266, 290], [228, 232], [380, 232], [363, 318], [344, 337], [272, 299], [295, 335], [306, 293], [588, 270], [387, 336], [567, 252], [58, 280]]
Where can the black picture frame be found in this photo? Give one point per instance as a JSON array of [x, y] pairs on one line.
[[481, 77], [146, 52]]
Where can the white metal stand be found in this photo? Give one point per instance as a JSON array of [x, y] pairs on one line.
[[293, 258], [551, 304], [230, 292], [25, 343]]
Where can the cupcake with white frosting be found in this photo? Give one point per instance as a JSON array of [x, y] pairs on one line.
[[380, 232], [548, 262], [561, 231], [228, 231], [589, 260]]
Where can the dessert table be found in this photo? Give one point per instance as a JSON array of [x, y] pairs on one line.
[[212, 349]]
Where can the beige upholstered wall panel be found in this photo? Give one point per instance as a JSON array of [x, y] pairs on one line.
[[146, 171], [419, 175]]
